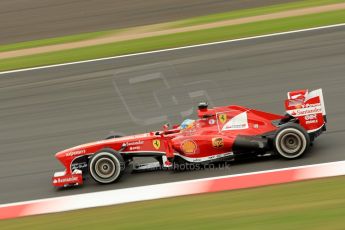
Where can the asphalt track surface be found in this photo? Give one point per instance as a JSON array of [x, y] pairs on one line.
[[22, 20], [44, 111]]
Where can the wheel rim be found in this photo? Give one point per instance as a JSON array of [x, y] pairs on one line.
[[105, 168], [291, 143]]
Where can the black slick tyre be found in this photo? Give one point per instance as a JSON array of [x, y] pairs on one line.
[[106, 166], [291, 141]]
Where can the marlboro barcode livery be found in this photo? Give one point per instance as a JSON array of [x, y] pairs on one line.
[[219, 134]]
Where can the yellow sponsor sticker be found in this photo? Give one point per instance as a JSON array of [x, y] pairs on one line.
[[217, 142]]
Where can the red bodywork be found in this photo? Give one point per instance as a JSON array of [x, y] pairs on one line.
[[211, 137]]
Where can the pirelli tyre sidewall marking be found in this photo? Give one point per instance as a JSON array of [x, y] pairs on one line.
[[285, 132], [117, 166]]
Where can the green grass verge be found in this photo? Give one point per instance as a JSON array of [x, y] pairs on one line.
[[180, 23], [254, 12], [175, 40], [54, 41], [317, 205]]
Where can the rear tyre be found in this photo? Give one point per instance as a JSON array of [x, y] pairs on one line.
[[291, 141], [106, 166]]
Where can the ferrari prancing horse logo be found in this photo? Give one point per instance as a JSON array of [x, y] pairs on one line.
[[222, 117], [156, 144]]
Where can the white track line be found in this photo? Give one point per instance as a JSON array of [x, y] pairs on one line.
[[172, 49], [183, 182], [175, 189]]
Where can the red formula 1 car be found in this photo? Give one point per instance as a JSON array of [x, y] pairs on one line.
[[219, 134]]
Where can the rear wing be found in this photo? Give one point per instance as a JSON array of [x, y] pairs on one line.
[[308, 108]]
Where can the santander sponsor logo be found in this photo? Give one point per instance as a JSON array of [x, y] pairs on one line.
[[309, 111], [64, 180], [311, 105], [305, 111]]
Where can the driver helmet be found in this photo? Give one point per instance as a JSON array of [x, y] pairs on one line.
[[187, 124]]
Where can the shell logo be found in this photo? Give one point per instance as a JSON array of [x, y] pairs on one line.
[[188, 147]]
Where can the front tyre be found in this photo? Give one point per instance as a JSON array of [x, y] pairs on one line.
[[106, 166], [291, 141]]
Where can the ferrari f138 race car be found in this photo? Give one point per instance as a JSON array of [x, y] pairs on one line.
[[219, 134]]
